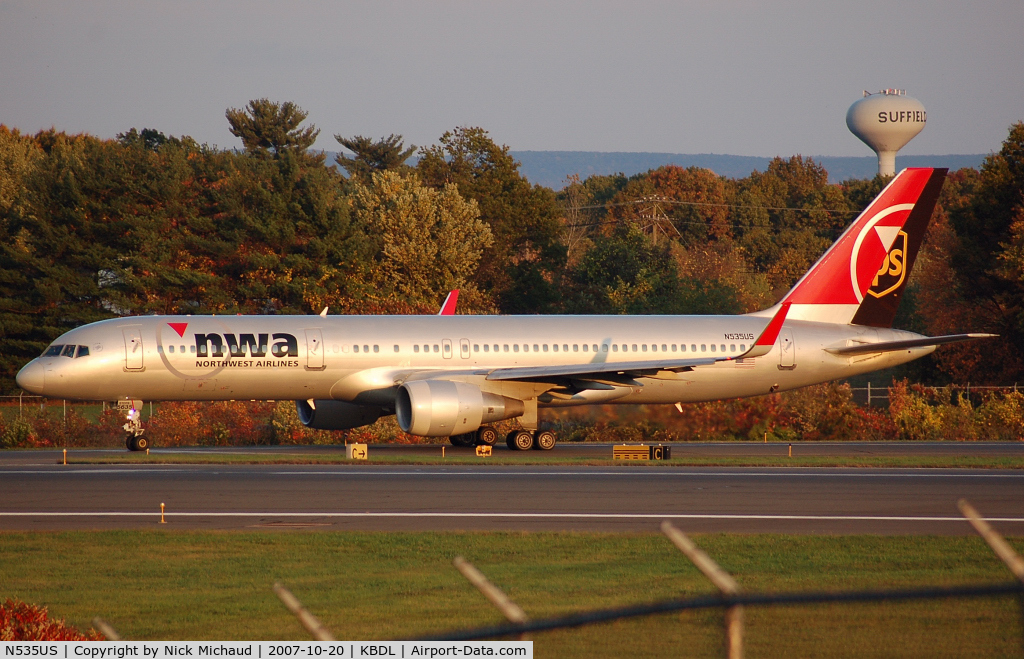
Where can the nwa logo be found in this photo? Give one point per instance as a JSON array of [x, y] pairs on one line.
[[890, 276], [212, 345]]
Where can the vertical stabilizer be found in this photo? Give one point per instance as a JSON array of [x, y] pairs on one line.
[[861, 278]]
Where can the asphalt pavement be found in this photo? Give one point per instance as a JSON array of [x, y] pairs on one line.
[[38, 494]]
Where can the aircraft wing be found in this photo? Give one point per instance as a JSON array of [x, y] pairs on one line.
[[891, 346], [617, 371]]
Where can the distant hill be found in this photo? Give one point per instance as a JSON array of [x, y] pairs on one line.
[[550, 168]]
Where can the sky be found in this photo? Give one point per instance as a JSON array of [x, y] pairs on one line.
[[722, 76]]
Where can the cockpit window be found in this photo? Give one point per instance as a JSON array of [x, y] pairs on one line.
[[68, 351], [53, 351], [83, 351]]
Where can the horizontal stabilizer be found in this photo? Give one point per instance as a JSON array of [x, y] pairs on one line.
[[891, 346]]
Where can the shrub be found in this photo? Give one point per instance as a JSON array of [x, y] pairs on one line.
[[28, 622]]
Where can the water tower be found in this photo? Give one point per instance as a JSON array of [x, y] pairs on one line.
[[886, 121]]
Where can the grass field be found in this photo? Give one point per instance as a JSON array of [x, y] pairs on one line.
[[364, 586], [538, 458]]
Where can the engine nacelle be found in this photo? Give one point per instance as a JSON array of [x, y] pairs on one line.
[[336, 414], [440, 408]]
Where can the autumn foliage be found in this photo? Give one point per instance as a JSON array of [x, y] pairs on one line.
[[28, 622]]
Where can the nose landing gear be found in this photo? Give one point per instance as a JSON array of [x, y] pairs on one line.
[[134, 440]]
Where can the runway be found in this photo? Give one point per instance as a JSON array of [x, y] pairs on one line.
[[528, 498]]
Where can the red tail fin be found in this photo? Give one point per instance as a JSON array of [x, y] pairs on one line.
[[861, 278]]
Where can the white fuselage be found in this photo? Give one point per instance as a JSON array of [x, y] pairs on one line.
[[363, 359]]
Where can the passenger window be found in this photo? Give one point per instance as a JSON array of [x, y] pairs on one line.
[[712, 347], [526, 347], [170, 349], [723, 347], [416, 347], [674, 347], [355, 348], [68, 351], [505, 347], [435, 348], [53, 351], [565, 347], [554, 347], [181, 349], [83, 351], [703, 347], [693, 347], [545, 347], [160, 349], [682, 347], [644, 347], [476, 347], [376, 348], [732, 347], [192, 349], [654, 347], [664, 348], [634, 347], [743, 348], [575, 347], [586, 348], [595, 347], [615, 347], [396, 347], [487, 347], [515, 347], [496, 348], [604, 347], [535, 347]]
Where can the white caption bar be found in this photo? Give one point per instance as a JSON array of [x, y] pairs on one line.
[[264, 649]]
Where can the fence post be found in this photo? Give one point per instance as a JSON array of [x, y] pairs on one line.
[[495, 595], [108, 632], [308, 620], [721, 579], [998, 544], [869, 393]]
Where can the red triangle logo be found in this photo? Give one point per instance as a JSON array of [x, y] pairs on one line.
[[179, 328]]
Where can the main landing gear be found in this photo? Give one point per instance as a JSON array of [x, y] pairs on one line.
[[134, 440], [524, 440], [517, 440]]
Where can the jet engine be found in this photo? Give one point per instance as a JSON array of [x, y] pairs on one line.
[[440, 408], [336, 414]]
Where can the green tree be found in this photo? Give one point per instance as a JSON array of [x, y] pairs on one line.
[[266, 128], [522, 266], [629, 273], [427, 241], [386, 154]]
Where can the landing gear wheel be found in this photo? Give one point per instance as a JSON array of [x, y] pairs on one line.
[[545, 441], [486, 436], [136, 443], [523, 440], [510, 440], [463, 440]]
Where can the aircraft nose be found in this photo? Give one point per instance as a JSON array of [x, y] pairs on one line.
[[30, 378]]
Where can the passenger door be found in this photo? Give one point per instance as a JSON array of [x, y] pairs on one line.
[[787, 350], [133, 349], [314, 350]]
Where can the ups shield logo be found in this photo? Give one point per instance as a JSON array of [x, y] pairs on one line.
[[890, 276]]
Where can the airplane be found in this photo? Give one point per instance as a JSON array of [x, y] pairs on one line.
[[455, 376]]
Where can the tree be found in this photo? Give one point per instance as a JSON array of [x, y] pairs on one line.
[[427, 241], [521, 267], [386, 154], [630, 273], [973, 278], [266, 127]]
